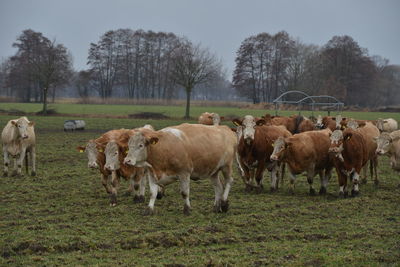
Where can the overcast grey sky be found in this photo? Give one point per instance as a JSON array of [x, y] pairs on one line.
[[219, 25]]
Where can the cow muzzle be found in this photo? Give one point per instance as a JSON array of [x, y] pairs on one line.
[[274, 157], [380, 152], [129, 162], [93, 165]]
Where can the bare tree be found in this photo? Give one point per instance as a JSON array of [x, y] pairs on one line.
[[193, 65]]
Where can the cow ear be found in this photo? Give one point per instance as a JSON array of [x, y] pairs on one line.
[[237, 122], [152, 141], [222, 118], [81, 149], [384, 121], [233, 130], [260, 122], [210, 117], [14, 123], [31, 123], [334, 118], [348, 136]]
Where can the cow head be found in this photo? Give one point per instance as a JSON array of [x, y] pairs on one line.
[[379, 124], [279, 145], [137, 153], [336, 146], [248, 125], [92, 151], [384, 141], [215, 118], [22, 125], [112, 153], [352, 124], [319, 124]]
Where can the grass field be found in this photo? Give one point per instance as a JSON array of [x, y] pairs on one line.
[[62, 216]]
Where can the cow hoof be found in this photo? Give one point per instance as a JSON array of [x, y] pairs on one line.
[[354, 193], [126, 194], [5, 174], [186, 210], [363, 181], [376, 182], [148, 212], [248, 188], [322, 191], [138, 199], [33, 173], [259, 189], [224, 205], [346, 194], [14, 173], [272, 189], [341, 194], [312, 192], [160, 195], [113, 200]]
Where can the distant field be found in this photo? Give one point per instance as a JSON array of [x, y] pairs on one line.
[[175, 112], [62, 217]]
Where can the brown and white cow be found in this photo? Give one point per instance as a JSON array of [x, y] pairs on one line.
[[19, 142], [95, 151], [184, 152], [350, 154], [306, 152], [210, 119], [329, 122], [389, 144], [255, 148]]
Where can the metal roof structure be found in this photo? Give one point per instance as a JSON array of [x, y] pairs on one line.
[[326, 101]]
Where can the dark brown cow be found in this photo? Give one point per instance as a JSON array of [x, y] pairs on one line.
[[291, 123], [350, 154], [306, 152], [255, 148]]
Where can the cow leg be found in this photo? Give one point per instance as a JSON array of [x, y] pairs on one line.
[[355, 178], [33, 160], [228, 180], [153, 193], [114, 188], [20, 161], [135, 184], [142, 188], [292, 178], [324, 176], [274, 178], [282, 172], [310, 180], [6, 161], [218, 191], [104, 182], [375, 169], [247, 178], [239, 167], [185, 190], [364, 175], [342, 177], [260, 175]]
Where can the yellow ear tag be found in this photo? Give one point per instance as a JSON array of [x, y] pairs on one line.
[[126, 151], [273, 145], [348, 137], [153, 142], [237, 124], [81, 151], [100, 150]]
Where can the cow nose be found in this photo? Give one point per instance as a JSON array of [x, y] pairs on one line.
[[273, 157], [379, 152], [92, 165], [24, 136], [109, 168], [127, 161]]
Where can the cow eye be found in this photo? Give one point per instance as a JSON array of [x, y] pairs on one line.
[[141, 145]]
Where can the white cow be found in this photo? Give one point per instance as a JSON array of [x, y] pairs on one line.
[[18, 138], [389, 144], [387, 125]]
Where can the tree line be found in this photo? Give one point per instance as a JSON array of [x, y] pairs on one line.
[[141, 64]]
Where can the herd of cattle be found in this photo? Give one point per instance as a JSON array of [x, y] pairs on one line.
[[195, 151]]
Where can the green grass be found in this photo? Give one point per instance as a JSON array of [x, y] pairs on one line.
[[173, 111], [62, 216]]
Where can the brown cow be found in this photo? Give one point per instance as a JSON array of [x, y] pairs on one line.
[[210, 119], [306, 125], [255, 148], [95, 151], [306, 152], [184, 152], [350, 154], [329, 122]]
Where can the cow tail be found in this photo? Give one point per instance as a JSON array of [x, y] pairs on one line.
[[299, 119]]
